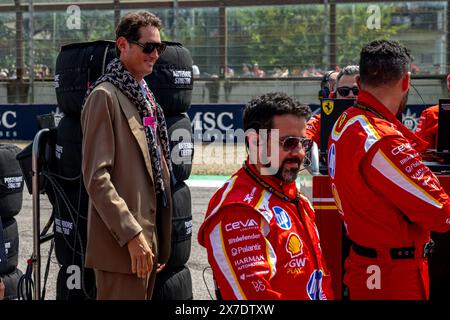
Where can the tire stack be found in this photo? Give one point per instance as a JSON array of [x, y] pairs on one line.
[[78, 66], [11, 188], [171, 82]]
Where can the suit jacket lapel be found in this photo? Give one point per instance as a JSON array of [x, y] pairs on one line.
[[136, 127]]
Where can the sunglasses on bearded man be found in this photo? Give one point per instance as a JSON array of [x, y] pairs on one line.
[[290, 143]]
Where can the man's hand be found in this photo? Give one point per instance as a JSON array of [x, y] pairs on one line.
[[141, 256], [2, 289]]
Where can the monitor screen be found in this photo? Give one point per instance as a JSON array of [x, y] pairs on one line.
[[443, 137]]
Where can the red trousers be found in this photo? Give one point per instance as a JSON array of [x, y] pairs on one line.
[[386, 279]]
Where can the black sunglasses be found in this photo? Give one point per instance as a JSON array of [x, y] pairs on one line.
[[150, 46], [290, 143], [345, 91]]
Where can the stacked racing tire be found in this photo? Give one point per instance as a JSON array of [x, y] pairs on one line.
[[77, 67], [171, 82], [11, 191]]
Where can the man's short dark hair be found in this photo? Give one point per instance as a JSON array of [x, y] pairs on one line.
[[130, 24], [383, 62], [259, 112]]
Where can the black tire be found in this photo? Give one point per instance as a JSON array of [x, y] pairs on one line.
[[79, 65], [181, 146], [171, 80], [70, 227], [73, 293], [11, 181], [11, 281], [11, 240], [173, 284], [181, 226], [68, 147]]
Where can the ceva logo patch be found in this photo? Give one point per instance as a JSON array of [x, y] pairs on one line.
[[282, 218]]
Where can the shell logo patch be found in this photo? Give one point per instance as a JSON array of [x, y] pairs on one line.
[[294, 245]]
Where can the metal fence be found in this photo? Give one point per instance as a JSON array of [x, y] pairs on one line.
[[231, 39]]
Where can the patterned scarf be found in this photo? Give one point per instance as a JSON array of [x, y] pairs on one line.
[[120, 77]]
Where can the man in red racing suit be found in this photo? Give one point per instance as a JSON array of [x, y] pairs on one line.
[[428, 126], [388, 198], [259, 232]]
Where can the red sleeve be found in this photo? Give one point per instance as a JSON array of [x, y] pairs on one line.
[[395, 170], [313, 129], [428, 126], [241, 258]]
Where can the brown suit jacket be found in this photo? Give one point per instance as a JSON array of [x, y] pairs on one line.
[[118, 176]]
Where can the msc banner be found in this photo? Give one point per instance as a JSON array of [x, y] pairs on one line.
[[210, 122]]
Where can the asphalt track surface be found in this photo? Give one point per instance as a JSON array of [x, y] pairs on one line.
[[197, 262]]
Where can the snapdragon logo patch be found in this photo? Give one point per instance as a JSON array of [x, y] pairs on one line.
[[282, 218], [332, 160]]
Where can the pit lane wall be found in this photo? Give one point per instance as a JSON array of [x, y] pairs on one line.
[[210, 122]]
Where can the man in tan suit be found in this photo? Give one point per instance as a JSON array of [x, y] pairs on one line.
[[126, 167]]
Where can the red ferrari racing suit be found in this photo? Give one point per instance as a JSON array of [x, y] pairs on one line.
[[389, 201], [313, 129], [261, 246], [428, 126]]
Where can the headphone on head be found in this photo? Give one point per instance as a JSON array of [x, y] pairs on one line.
[[324, 89]]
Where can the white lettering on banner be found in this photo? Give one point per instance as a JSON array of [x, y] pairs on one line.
[[207, 121], [241, 224], [9, 124], [8, 134], [244, 238]]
